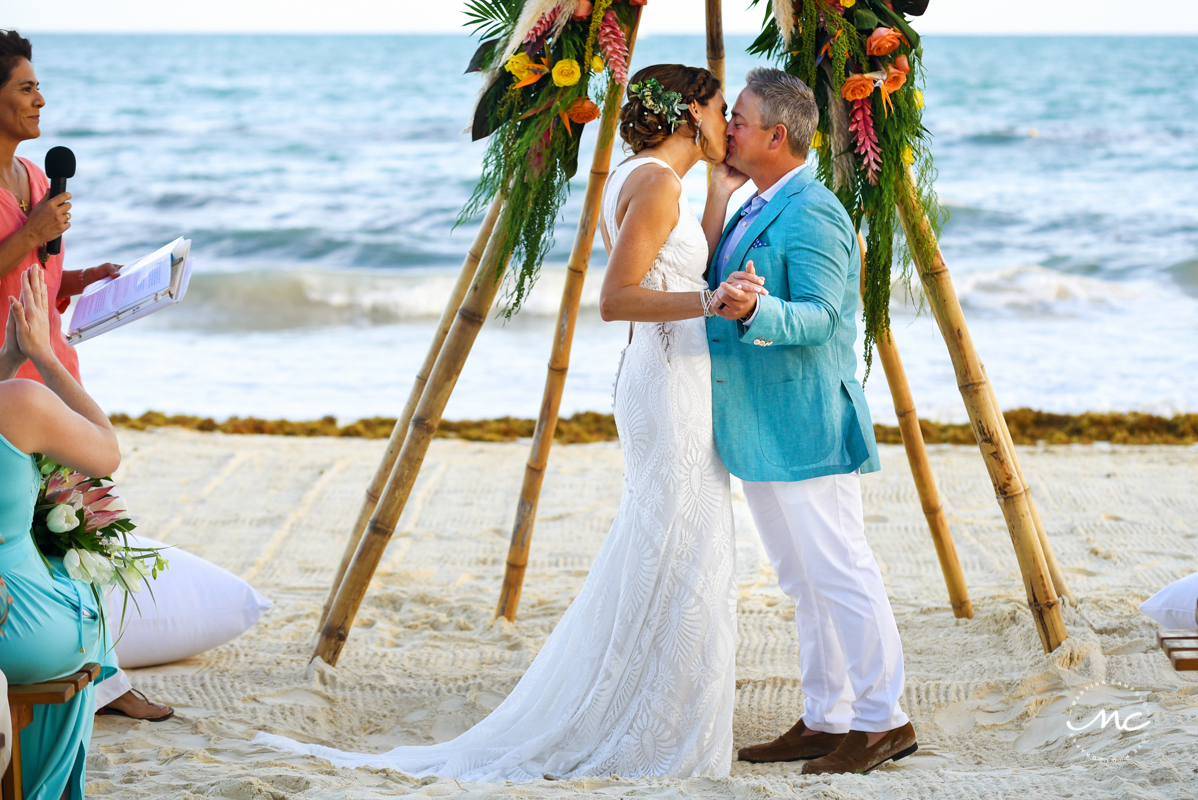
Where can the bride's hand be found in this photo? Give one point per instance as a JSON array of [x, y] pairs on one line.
[[32, 317], [726, 179]]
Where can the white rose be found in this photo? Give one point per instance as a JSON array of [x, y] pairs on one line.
[[62, 519]]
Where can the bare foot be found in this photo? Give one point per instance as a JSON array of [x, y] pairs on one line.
[[136, 705]]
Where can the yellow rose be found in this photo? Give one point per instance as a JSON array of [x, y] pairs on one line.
[[817, 141], [597, 64], [518, 65], [848, 3], [908, 155], [917, 96], [566, 72]]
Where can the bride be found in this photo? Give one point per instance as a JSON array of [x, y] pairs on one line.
[[637, 679]]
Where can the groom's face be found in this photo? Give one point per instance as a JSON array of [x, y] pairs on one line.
[[748, 142]]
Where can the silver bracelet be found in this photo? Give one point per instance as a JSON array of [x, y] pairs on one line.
[[708, 295]]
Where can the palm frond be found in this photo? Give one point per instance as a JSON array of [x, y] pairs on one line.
[[492, 18]]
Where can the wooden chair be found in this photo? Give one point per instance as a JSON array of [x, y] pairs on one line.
[[21, 700], [1181, 647]]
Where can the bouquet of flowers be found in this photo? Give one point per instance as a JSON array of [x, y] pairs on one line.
[[548, 67], [863, 60], [80, 520]]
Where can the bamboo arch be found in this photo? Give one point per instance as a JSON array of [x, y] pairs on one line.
[[466, 311]]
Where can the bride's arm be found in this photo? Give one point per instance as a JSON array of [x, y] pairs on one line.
[[651, 214]]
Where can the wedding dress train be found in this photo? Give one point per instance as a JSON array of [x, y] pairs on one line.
[[637, 679]]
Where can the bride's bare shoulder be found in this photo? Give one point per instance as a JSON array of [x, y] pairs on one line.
[[651, 186]]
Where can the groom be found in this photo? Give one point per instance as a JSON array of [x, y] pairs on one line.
[[791, 421]]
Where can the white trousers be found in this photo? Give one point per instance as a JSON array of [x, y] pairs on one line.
[[111, 689], [850, 655]]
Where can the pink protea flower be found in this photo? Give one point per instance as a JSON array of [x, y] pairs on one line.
[[614, 46], [60, 487]]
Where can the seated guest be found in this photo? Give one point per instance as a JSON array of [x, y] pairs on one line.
[[53, 626], [28, 219]]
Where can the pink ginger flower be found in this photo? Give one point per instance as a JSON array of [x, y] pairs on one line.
[[861, 124], [614, 46], [541, 26]]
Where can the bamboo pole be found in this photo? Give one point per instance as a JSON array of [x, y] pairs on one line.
[[467, 322], [559, 362], [715, 39], [999, 457], [921, 468], [715, 46], [1060, 585], [400, 432]]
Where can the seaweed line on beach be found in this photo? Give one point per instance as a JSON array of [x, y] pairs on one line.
[[1028, 426]]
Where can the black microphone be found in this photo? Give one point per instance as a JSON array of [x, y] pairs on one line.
[[60, 165]]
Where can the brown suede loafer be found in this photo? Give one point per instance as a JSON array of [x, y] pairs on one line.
[[793, 746], [855, 755]]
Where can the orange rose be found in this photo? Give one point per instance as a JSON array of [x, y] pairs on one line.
[[583, 111], [902, 64], [882, 41], [894, 80], [857, 87]]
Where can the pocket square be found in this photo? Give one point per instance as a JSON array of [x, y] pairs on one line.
[[759, 243]]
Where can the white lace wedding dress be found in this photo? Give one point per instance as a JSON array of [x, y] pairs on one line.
[[637, 679]]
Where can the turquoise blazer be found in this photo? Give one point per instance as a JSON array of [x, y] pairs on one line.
[[787, 405]]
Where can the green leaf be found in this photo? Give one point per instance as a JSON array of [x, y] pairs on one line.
[[484, 56], [486, 113], [865, 20], [492, 18]]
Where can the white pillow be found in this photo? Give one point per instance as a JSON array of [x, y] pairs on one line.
[[196, 606], [1176, 606]]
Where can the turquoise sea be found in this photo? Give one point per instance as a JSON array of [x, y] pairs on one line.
[[319, 177]]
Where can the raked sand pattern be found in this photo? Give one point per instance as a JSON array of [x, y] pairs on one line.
[[426, 660]]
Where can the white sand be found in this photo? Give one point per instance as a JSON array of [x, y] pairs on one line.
[[425, 659]]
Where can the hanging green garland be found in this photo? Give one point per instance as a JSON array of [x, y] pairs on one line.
[[549, 66], [863, 61]]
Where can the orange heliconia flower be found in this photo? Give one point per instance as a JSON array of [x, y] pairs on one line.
[[883, 41], [857, 87]]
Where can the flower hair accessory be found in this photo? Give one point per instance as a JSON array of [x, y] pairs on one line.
[[655, 98]]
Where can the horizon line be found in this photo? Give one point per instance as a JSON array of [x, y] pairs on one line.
[[643, 34]]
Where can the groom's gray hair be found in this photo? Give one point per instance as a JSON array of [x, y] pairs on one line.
[[788, 101]]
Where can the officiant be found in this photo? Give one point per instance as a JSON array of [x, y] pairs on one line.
[[29, 219]]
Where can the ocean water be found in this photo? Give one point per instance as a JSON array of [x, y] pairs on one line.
[[320, 177]]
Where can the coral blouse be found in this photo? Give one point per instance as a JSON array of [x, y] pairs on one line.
[[11, 220]]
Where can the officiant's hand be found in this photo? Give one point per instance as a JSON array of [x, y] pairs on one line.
[[736, 297], [106, 270], [49, 218]]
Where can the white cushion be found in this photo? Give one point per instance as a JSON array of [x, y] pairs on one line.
[[1176, 606], [196, 606]]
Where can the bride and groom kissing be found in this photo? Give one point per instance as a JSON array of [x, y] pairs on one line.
[[741, 360]]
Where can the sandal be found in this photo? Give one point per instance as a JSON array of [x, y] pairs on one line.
[[108, 710]]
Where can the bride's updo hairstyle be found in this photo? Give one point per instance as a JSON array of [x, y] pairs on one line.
[[642, 127]]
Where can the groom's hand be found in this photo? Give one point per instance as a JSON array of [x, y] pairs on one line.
[[736, 297]]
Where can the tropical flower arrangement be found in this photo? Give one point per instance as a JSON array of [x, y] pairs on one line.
[[864, 63], [80, 520], [549, 67]]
